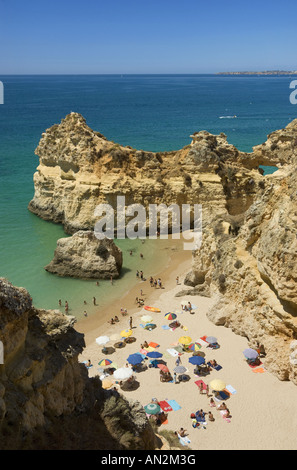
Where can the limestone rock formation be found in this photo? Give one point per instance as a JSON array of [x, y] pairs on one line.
[[79, 169], [252, 272], [84, 256], [47, 400]]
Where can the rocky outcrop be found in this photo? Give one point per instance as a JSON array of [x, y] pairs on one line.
[[79, 169], [47, 400], [84, 256], [251, 272]]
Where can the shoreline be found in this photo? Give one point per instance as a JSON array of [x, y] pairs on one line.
[[179, 263], [260, 399]]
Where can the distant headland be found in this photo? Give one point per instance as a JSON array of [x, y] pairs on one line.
[[267, 72]]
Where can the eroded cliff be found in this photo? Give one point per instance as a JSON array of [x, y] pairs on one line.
[[47, 400], [79, 169]]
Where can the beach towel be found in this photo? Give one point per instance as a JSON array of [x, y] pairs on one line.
[[218, 367], [172, 352], [260, 370], [203, 342], [231, 389], [165, 406], [153, 345], [174, 405], [165, 327], [199, 382], [224, 394], [143, 351], [183, 440]]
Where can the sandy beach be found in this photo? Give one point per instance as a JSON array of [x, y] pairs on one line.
[[263, 409]]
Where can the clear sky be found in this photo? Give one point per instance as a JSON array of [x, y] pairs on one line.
[[146, 36]]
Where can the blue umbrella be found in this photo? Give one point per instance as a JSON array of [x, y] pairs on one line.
[[250, 353], [135, 359], [154, 354], [197, 360]]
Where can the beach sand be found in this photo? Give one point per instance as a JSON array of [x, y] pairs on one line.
[[263, 409]]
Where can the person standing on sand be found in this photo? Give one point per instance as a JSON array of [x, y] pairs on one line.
[[130, 323]]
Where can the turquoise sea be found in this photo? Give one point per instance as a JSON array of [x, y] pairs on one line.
[[150, 112]]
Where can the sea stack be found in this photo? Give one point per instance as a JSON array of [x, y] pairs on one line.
[[84, 256]]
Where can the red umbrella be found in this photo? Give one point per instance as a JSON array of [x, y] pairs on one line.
[[163, 367]]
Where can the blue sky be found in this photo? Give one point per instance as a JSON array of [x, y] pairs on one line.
[[146, 36]]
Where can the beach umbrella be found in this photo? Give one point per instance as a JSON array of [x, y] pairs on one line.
[[150, 326], [135, 358], [217, 385], [250, 353], [197, 360], [170, 316], [211, 339], [163, 367], [152, 408], [154, 354], [120, 344], [129, 340], [185, 340], [126, 333], [180, 369], [123, 373], [102, 340], [107, 383], [104, 362], [194, 346], [146, 318], [115, 337]]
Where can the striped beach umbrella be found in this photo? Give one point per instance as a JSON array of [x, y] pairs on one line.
[[194, 346], [104, 362], [170, 316]]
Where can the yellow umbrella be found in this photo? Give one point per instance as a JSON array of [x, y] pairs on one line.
[[217, 385], [107, 383], [126, 333], [185, 340]]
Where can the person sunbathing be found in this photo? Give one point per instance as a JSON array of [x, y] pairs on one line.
[[213, 363], [210, 416], [222, 406]]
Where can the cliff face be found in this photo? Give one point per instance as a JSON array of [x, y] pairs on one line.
[[252, 273], [46, 398], [79, 169]]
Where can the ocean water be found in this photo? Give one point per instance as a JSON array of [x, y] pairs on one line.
[[150, 112]]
